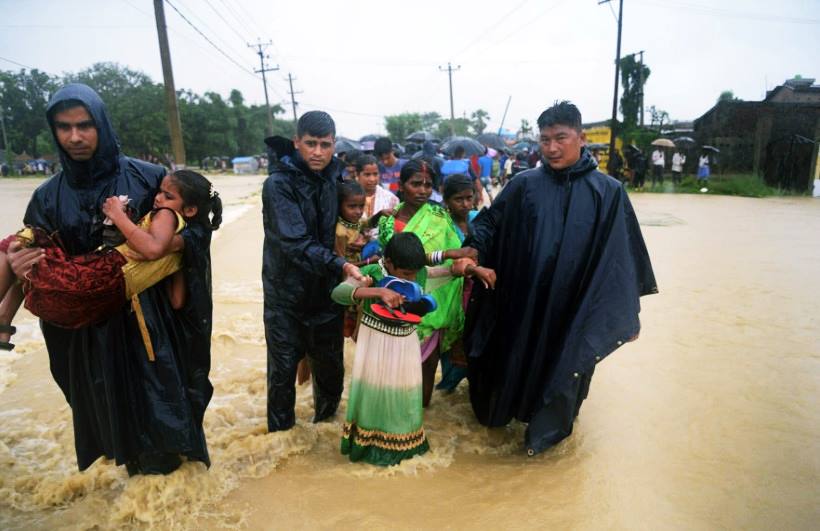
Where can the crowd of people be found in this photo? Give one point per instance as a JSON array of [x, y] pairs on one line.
[[521, 294]]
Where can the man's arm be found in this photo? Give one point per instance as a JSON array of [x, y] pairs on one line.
[[299, 246]]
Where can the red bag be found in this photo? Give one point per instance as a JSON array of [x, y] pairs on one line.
[[74, 291]]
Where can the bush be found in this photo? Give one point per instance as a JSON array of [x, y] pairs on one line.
[[740, 184]]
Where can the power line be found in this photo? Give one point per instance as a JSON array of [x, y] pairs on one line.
[[728, 13], [182, 34], [214, 34], [252, 19], [228, 24], [217, 48], [20, 64]]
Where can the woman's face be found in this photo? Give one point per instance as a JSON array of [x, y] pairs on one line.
[[460, 204], [369, 178], [417, 189]]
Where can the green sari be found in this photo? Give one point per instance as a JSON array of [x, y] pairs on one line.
[[437, 232]]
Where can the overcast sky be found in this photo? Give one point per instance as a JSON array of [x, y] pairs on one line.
[[362, 60]]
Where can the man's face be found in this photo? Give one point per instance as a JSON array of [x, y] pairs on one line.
[[76, 133], [388, 159], [561, 145], [316, 151]]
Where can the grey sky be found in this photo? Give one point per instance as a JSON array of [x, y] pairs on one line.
[[361, 60]]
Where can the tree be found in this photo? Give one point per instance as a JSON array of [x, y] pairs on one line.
[[24, 97], [659, 117], [401, 125], [727, 95], [525, 130], [457, 127], [633, 78], [479, 120]]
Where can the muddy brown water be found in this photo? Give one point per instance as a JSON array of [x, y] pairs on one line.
[[709, 421]]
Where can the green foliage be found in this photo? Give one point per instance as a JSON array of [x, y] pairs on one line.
[[526, 129], [24, 97], [401, 125], [739, 184], [211, 125], [633, 78], [479, 121], [457, 127], [727, 95]]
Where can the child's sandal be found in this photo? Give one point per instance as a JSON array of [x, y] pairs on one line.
[[10, 330]]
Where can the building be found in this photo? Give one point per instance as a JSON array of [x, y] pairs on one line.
[[776, 138], [598, 136]]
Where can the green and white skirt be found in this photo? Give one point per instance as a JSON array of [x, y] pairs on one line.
[[384, 407]]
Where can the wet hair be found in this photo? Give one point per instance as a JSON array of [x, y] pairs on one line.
[[352, 156], [415, 166], [561, 113], [382, 146], [65, 105], [316, 123], [348, 189], [458, 152], [365, 160], [457, 183], [198, 191], [405, 251]]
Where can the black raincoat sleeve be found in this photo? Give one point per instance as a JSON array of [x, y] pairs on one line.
[[297, 244], [486, 223]]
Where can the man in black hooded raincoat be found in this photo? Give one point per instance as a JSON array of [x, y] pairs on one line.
[[299, 269], [144, 414], [571, 264]]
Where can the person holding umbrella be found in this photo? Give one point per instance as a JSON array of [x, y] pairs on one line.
[[658, 163]]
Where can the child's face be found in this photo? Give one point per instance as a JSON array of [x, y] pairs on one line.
[[417, 189], [168, 195], [399, 272], [461, 203], [369, 178], [352, 208]]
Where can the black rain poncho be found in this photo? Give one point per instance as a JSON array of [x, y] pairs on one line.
[[124, 406], [571, 266]]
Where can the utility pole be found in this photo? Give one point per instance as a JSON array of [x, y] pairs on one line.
[[6, 147], [640, 84], [293, 94], [617, 75], [450, 71], [174, 125], [507, 108], [260, 47]]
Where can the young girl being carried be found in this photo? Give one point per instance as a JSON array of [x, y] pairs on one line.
[[77, 291], [384, 408]]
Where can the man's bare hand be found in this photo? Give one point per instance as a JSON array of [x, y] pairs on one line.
[[351, 271], [23, 259]]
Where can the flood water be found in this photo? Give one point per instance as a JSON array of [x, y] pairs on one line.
[[709, 421]]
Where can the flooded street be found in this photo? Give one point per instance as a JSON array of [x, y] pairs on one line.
[[711, 420]]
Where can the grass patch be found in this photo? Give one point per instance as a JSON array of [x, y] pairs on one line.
[[739, 184]]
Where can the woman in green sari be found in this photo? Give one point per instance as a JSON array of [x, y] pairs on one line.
[[434, 227]]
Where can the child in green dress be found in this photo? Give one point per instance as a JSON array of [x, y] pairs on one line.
[[384, 408]]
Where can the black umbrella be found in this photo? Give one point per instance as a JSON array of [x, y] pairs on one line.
[[684, 142], [369, 138], [343, 145], [710, 148], [524, 145], [471, 147], [420, 136], [491, 140]]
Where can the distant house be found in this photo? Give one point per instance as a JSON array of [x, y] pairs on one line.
[[776, 138]]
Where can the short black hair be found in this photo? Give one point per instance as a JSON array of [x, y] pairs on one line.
[[405, 251], [348, 189], [458, 152], [316, 123], [561, 113], [457, 183], [365, 160], [382, 146]]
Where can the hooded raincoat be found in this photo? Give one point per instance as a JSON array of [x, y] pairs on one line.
[[299, 271], [138, 412], [571, 265]]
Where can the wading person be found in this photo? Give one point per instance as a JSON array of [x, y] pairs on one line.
[[141, 406], [571, 265], [299, 270]]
